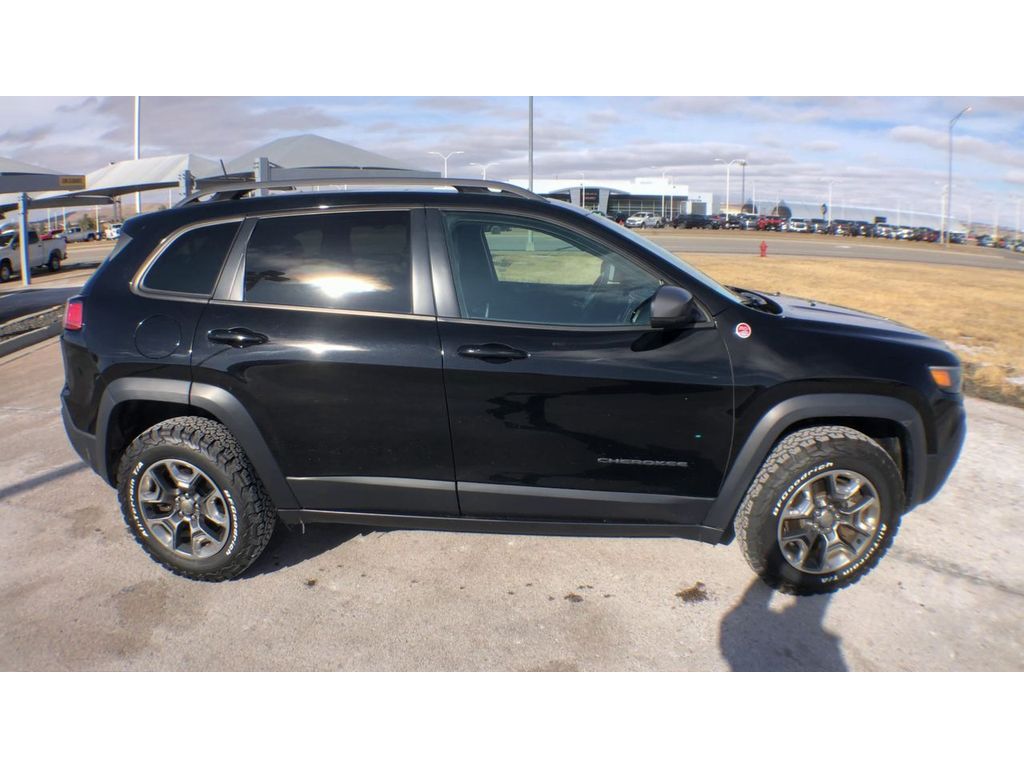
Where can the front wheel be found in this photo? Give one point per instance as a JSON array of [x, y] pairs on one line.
[[821, 512], [5, 271], [193, 501]]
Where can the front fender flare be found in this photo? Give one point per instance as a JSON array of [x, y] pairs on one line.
[[821, 406]]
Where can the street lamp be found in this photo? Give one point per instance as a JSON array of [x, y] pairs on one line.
[[743, 185], [583, 190], [949, 195], [830, 183], [445, 157], [664, 183], [728, 168], [483, 168]]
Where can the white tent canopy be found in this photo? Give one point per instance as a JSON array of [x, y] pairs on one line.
[[311, 151]]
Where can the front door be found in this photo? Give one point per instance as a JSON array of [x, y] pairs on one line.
[[564, 402]]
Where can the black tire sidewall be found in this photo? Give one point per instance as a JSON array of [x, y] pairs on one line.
[[239, 532], [762, 537]]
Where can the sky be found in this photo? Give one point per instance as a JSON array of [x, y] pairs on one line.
[[880, 152]]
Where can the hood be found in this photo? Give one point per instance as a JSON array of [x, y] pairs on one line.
[[819, 312]]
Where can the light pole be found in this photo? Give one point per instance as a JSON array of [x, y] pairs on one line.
[[728, 168], [531, 144], [664, 182], [138, 154], [445, 157], [483, 168], [583, 190], [830, 183], [949, 195], [743, 185]]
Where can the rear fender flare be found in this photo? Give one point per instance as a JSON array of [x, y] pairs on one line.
[[222, 405]]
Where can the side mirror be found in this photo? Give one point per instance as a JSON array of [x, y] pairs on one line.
[[673, 307]]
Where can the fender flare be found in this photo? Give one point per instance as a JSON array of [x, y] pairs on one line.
[[780, 417], [221, 404]]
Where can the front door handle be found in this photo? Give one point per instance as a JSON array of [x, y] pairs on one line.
[[493, 353], [236, 337]]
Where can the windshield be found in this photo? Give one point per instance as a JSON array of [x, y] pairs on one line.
[[688, 268]]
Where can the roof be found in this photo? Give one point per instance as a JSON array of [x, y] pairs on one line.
[[147, 173], [7, 165], [312, 151]]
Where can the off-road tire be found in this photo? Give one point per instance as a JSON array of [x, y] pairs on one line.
[[799, 456], [213, 449]]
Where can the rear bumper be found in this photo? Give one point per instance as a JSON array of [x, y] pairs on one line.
[[85, 444]]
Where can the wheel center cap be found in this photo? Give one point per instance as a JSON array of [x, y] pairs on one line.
[[187, 505]]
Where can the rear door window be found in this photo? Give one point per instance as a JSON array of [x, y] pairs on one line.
[[350, 260]]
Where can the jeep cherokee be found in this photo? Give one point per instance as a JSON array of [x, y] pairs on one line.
[[478, 358]]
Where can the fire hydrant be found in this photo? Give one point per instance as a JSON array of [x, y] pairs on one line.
[[764, 249]]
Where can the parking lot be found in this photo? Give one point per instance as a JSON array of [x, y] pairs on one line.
[[79, 594]]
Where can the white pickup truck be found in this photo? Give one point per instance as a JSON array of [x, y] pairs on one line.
[[76, 234], [49, 253]]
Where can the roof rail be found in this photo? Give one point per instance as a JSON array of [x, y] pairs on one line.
[[235, 189]]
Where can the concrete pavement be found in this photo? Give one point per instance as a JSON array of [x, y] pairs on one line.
[[77, 593]]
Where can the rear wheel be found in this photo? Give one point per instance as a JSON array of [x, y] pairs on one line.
[[193, 501], [821, 512], [54, 263]]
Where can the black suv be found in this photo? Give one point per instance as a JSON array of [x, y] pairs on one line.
[[482, 359], [694, 221]]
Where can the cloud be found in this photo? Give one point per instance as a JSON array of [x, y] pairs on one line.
[[998, 153], [821, 145], [27, 136]]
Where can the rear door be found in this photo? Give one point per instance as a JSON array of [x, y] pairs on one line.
[[323, 328], [564, 402]]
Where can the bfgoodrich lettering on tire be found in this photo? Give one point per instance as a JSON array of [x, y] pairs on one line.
[[192, 499], [822, 510]]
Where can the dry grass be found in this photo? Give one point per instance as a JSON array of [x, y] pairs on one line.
[[977, 311]]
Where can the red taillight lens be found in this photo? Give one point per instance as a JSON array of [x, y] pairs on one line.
[[74, 317]]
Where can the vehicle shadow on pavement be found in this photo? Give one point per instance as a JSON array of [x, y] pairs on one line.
[[47, 477], [754, 638], [289, 546]]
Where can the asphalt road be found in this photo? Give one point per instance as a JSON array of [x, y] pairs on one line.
[[29, 301], [77, 593], [811, 245]]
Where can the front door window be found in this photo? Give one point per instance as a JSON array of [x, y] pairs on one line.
[[511, 269]]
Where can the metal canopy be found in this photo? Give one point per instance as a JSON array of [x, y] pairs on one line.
[[21, 178]]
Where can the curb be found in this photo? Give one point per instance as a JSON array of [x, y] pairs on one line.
[[18, 343]]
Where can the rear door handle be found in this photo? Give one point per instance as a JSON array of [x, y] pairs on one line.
[[236, 337], [493, 353]]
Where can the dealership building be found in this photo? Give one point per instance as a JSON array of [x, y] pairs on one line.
[[614, 196]]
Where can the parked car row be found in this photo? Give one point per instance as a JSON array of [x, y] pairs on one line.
[[79, 234], [842, 227]]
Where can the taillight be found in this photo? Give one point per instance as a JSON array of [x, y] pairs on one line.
[[74, 317]]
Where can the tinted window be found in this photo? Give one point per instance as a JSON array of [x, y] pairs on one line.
[[192, 262], [337, 260], [508, 268]]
